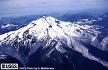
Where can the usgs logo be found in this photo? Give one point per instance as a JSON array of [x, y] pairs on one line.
[[9, 66]]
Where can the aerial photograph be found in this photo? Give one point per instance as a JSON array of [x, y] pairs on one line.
[[53, 34]]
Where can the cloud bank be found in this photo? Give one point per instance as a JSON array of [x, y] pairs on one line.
[[29, 7]]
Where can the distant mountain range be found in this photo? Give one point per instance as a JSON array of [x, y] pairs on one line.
[[82, 17], [65, 17]]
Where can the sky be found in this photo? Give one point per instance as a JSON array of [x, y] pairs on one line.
[[31, 7]]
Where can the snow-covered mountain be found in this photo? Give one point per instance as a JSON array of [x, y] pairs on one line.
[[9, 26], [52, 34], [4, 28]]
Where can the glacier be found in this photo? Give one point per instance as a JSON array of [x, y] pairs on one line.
[[50, 34]]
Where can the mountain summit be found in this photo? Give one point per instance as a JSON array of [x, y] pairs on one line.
[[52, 34]]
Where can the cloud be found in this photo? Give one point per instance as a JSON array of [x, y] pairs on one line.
[[22, 6]]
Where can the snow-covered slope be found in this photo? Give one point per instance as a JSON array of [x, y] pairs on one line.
[[50, 32]]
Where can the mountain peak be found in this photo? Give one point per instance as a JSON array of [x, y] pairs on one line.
[[54, 34], [48, 20]]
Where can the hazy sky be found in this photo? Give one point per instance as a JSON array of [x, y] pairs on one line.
[[29, 7]]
